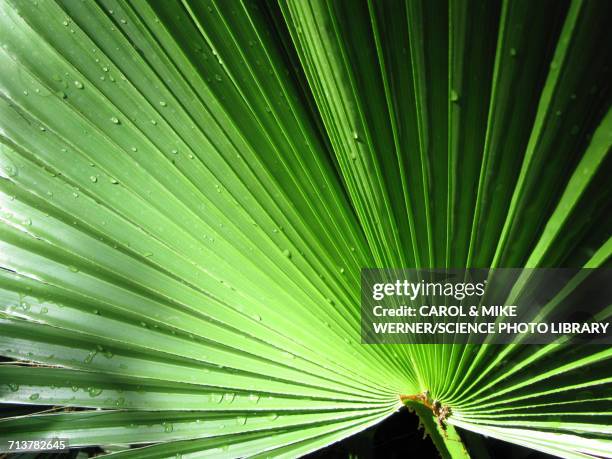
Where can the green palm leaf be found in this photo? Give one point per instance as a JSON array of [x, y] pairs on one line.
[[189, 191]]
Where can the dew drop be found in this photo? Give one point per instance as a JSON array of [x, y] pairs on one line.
[[241, 420], [163, 103], [78, 84], [454, 96], [287, 253], [93, 178], [34, 396], [90, 356], [10, 170], [94, 391], [114, 120]]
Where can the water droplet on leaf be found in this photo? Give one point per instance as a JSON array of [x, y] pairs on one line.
[[94, 391], [241, 420]]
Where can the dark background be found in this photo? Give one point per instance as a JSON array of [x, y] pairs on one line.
[[398, 437]]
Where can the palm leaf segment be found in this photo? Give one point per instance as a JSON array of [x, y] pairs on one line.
[[189, 191]]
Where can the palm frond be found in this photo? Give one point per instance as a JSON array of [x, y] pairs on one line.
[[189, 191]]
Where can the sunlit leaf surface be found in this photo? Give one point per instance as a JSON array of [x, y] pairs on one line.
[[189, 190]]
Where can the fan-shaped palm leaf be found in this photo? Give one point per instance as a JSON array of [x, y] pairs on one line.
[[190, 189]]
